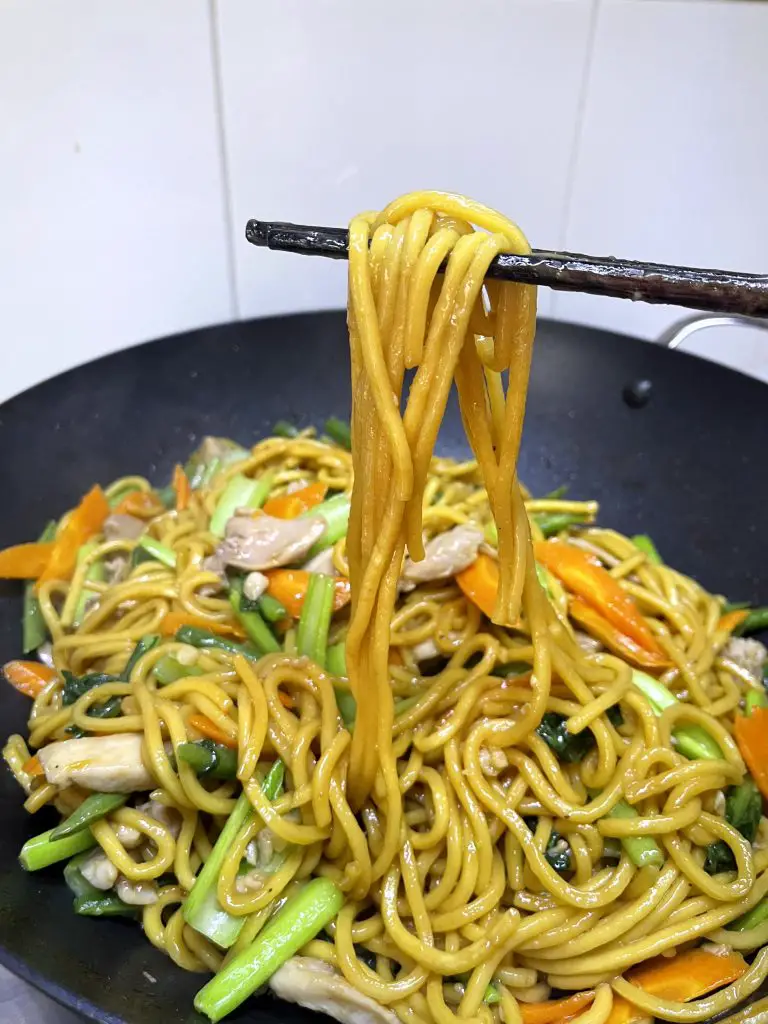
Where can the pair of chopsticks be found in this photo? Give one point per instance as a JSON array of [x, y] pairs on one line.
[[718, 291]]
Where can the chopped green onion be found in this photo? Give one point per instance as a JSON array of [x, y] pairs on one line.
[[315, 621], [491, 996], [693, 741], [285, 429], [644, 543], [336, 664], [755, 699], [209, 758], [34, 629], [202, 910], [205, 640], [755, 622], [335, 512], [93, 808], [641, 850], [558, 493], [301, 918], [158, 551], [258, 631], [104, 905], [168, 669], [552, 523], [271, 609], [340, 432], [96, 573], [42, 851], [757, 915], [145, 644]]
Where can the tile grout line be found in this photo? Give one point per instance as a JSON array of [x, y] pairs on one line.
[[581, 107], [221, 136]]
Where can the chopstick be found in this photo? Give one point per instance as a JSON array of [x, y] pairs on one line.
[[719, 291]]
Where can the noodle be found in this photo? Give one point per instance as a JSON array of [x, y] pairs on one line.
[[511, 814]]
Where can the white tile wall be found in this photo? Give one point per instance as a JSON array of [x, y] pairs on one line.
[[111, 193], [672, 156], [334, 107], [139, 135]]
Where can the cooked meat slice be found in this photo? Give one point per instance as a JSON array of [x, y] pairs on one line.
[[316, 985], [265, 542], [120, 526], [444, 555], [136, 894], [748, 654], [99, 870], [107, 764]]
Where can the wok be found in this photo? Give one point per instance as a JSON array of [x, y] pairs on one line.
[[687, 468]]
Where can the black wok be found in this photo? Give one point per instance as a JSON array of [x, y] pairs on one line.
[[688, 468]]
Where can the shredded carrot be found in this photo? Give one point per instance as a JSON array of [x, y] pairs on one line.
[[181, 488], [751, 734], [25, 561], [173, 621], [480, 582], [289, 506], [689, 975], [83, 522], [33, 767], [583, 575], [211, 731], [285, 699], [289, 587], [731, 620], [29, 677], [604, 631], [555, 1009], [141, 504]]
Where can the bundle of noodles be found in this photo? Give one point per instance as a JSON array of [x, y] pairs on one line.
[[465, 755]]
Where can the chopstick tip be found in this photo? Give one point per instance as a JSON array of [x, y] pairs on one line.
[[257, 232]]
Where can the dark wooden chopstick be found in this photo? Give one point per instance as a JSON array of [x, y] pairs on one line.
[[720, 291]]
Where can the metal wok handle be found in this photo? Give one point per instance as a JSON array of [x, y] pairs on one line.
[[678, 333]]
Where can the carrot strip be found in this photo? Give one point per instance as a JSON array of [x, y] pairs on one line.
[[181, 488], [210, 730], [141, 504], [583, 575], [480, 582], [689, 975], [555, 1009], [173, 621], [85, 521], [33, 767], [731, 620], [25, 561], [751, 735], [28, 677], [289, 587], [285, 699], [290, 506], [604, 631]]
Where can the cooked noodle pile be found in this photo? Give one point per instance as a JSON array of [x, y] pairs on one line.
[[537, 787]]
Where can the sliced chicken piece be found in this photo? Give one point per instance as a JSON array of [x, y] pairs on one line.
[[136, 894], [120, 526], [254, 585], [316, 985], [265, 542], [45, 654], [493, 761], [748, 654], [167, 816], [322, 563], [99, 870], [428, 649], [116, 567], [107, 764], [444, 555]]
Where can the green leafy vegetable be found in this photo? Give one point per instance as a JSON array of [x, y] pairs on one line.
[[75, 686], [567, 746], [145, 644], [340, 432], [95, 807], [743, 810], [209, 758]]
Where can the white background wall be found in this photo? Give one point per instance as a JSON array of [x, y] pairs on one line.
[[139, 135]]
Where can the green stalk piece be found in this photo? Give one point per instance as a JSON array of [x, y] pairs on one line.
[[202, 910], [34, 629], [315, 621], [96, 573], [42, 851], [160, 552], [256, 628], [693, 741], [168, 669], [293, 926], [335, 512], [643, 851], [644, 543]]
